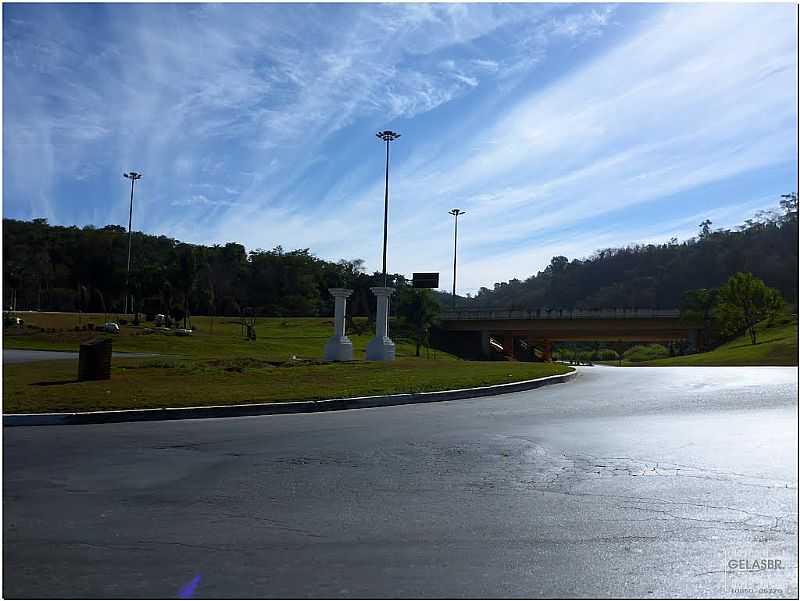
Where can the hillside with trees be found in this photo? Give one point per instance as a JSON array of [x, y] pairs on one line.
[[57, 268], [658, 275]]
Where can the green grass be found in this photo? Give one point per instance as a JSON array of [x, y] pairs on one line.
[[146, 383], [223, 368], [776, 345], [278, 339]]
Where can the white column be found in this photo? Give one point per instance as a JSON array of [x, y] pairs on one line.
[[339, 347], [381, 348]]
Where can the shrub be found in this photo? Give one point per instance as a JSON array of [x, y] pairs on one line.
[[645, 352], [152, 307], [605, 354], [122, 321]]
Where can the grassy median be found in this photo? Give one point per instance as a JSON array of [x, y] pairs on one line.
[[277, 339], [218, 366], [147, 383]]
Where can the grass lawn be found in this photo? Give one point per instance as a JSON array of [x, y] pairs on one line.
[[223, 368], [776, 345], [278, 339]]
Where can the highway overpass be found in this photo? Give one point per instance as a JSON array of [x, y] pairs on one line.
[[542, 327]]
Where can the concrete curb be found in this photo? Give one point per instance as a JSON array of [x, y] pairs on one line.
[[168, 413]]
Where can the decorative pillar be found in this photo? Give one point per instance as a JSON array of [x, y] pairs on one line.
[[339, 347], [381, 348]]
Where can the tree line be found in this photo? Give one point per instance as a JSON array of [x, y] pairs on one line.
[[658, 275], [60, 268]]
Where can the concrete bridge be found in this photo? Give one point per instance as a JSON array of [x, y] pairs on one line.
[[543, 327]]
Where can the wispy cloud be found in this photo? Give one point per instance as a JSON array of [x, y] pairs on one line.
[[255, 122], [201, 200]]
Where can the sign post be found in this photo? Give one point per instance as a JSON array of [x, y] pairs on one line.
[[426, 280]]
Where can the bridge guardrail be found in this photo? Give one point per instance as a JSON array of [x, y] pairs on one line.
[[476, 314]]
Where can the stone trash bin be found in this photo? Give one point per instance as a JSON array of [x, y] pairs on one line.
[[94, 360]]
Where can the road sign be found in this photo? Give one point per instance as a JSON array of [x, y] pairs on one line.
[[426, 280]]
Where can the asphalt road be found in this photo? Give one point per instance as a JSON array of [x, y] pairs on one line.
[[30, 356], [632, 482]]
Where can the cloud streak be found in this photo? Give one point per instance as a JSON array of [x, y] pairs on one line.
[[555, 127]]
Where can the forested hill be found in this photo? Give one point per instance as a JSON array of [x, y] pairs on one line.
[[60, 268], [657, 275], [69, 268]]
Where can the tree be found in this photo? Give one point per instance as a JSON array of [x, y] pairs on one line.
[[705, 228], [699, 304], [744, 300], [788, 203], [419, 310], [184, 277]]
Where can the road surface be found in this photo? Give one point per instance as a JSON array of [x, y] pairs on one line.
[[26, 356], [627, 482]]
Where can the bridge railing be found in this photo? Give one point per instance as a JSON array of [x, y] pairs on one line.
[[489, 314]]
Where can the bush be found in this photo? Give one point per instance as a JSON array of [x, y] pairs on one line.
[[230, 306], [605, 354], [178, 313], [62, 299], [122, 321], [152, 307], [645, 352]]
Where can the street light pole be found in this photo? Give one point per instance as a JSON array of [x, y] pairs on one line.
[[455, 213], [133, 176], [387, 136]]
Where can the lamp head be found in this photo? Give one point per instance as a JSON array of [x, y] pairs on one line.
[[387, 135]]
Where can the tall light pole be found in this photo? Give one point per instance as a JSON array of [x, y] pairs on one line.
[[133, 176], [387, 136], [455, 213]]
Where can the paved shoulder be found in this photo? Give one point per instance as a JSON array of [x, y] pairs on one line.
[[29, 356]]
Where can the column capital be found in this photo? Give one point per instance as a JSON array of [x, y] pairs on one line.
[[382, 291], [340, 292]]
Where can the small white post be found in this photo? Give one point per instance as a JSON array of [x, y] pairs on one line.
[[381, 348], [339, 347]]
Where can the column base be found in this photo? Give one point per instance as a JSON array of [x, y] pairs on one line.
[[380, 349], [339, 349]]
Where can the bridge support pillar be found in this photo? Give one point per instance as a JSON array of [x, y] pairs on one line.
[[486, 349], [693, 335], [508, 344]]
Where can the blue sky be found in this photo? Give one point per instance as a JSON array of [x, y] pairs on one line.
[[560, 129]]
